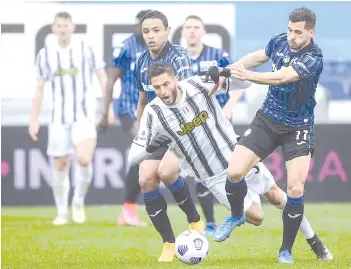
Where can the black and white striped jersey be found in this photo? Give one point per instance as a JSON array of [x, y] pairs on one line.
[[202, 137]]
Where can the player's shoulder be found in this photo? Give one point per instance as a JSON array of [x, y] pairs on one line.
[[142, 57], [191, 80], [178, 51], [280, 37], [316, 51]]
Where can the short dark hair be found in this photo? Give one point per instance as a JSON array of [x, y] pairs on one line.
[[154, 14], [140, 15], [195, 17], [64, 15], [159, 68], [303, 14]]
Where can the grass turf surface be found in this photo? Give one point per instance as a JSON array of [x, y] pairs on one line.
[[29, 240]]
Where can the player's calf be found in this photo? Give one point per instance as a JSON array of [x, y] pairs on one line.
[[61, 188]]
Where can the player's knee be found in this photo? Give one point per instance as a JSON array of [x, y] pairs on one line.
[[166, 174], [84, 161], [235, 173], [61, 164], [296, 189], [256, 219], [148, 182]]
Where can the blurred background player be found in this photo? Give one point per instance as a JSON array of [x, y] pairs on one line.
[[124, 107], [155, 32], [285, 119], [68, 64], [202, 57]]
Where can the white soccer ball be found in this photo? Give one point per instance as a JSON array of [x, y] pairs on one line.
[[191, 247]]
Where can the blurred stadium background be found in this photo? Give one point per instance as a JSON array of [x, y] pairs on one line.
[[238, 27]]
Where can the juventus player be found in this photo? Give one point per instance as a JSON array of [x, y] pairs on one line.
[[67, 65], [192, 124]]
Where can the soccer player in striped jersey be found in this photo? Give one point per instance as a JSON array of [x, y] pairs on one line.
[[155, 32], [192, 123], [202, 57], [66, 66], [286, 119], [124, 107]]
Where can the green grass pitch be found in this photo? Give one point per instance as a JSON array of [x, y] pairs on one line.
[[30, 241]]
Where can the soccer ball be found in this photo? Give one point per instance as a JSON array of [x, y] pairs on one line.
[[191, 247]]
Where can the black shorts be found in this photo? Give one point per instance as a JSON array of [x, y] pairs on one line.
[[264, 136], [158, 154]]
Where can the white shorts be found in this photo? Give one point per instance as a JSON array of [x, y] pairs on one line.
[[258, 181], [63, 138]]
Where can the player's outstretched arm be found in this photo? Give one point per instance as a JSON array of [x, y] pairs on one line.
[[285, 75], [253, 59]]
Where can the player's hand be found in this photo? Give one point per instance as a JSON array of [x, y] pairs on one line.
[[218, 76], [103, 123], [218, 86], [33, 130], [238, 71], [158, 141]]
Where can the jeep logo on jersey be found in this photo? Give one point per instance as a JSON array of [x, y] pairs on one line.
[[190, 126]]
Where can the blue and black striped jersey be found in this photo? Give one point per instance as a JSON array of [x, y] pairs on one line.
[[292, 104], [211, 56], [124, 57], [173, 54]]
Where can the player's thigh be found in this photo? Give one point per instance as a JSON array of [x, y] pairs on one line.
[[169, 168], [84, 139], [298, 148], [59, 141]]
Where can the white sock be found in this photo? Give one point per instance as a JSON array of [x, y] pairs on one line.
[[305, 226], [83, 179], [61, 188]]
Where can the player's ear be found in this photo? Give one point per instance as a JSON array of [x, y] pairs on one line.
[[312, 32], [73, 27], [176, 80], [168, 30]]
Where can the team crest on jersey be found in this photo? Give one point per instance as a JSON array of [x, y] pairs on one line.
[[190, 126]]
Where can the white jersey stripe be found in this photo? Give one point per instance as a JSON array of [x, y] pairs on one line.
[[62, 88], [84, 106], [73, 86]]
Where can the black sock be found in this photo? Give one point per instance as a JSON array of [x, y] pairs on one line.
[[156, 208], [181, 194], [205, 198], [292, 217], [132, 185], [313, 240], [236, 193]]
